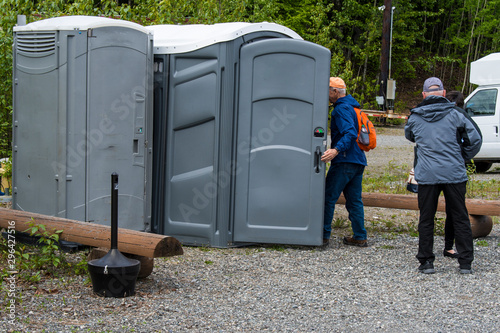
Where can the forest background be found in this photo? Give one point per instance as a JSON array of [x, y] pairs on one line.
[[429, 37]]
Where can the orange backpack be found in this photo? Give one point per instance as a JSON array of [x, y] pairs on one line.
[[367, 138]]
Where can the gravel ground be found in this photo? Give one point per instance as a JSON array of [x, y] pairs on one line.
[[283, 289]]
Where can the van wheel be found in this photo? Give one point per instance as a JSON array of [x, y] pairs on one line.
[[482, 166]]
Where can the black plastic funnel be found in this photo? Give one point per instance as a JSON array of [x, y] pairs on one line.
[[114, 275]]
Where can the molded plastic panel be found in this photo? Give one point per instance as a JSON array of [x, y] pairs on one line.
[[192, 146], [80, 101], [35, 183], [117, 129], [283, 97], [49, 123]]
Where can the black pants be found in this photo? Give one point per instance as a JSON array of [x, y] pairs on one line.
[[456, 214]]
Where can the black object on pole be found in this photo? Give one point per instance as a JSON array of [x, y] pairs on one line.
[[114, 211], [114, 275]]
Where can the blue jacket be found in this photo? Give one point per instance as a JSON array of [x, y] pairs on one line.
[[445, 139], [344, 132]]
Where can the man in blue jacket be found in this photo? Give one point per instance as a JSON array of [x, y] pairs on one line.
[[347, 167], [445, 138]]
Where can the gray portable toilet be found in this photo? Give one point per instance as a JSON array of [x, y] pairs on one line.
[[82, 87], [240, 113]]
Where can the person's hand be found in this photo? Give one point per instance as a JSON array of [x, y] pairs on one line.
[[329, 155]]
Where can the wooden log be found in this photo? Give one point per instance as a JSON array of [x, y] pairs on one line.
[[481, 225], [404, 201], [129, 241]]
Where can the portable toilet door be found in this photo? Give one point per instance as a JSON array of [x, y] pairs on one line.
[[282, 126], [82, 86]]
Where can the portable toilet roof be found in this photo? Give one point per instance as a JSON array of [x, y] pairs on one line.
[[78, 22], [171, 39], [486, 70]]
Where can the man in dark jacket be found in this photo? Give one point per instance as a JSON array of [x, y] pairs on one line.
[[445, 139], [347, 167]]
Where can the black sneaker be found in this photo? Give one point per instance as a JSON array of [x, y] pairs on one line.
[[326, 241], [427, 268]]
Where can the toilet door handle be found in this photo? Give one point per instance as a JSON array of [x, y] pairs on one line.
[[317, 159]]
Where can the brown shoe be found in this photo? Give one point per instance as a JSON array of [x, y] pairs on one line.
[[355, 242]]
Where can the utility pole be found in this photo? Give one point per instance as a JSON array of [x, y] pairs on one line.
[[385, 50]]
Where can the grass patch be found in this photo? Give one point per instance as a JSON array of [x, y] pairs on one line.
[[391, 226], [339, 223], [482, 242], [204, 249], [439, 223], [392, 180], [483, 189]]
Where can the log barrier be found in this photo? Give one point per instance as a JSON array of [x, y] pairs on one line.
[[404, 201], [92, 234]]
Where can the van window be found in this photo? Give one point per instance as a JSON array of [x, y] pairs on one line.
[[483, 103]]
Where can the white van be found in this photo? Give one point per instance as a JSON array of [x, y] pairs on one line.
[[483, 105]]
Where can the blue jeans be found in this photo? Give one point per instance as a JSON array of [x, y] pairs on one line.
[[347, 178]]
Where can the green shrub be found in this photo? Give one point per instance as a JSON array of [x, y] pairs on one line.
[[33, 263]]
